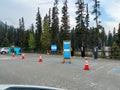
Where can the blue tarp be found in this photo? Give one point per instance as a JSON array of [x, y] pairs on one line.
[[17, 50]]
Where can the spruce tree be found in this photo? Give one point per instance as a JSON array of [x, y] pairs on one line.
[[110, 40], [97, 13], [65, 28], [119, 35], [80, 23], [55, 24], [21, 31], [38, 31], [46, 36]]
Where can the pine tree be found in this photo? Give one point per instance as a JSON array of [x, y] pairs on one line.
[[49, 17], [38, 31], [11, 36], [103, 38], [32, 29], [114, 35], [119, 35], [46, 36], [65, 28], [31, 41], [80, 20], [73, 39], [26, 40], [97, 13], [110, 40], [80, 16], [21, 29], [55, 24], [1, 35], [5, 39]]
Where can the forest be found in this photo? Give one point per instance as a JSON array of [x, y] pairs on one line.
[[48, 30]]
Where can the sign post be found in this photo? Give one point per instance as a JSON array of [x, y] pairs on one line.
[[66, 50]]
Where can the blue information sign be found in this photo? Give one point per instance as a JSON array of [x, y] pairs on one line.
[[66, 48], [54, 48]]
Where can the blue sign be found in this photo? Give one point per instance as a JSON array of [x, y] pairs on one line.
[[66, 49], [54, 48]]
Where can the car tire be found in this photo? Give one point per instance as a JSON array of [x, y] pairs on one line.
[[4, 52]]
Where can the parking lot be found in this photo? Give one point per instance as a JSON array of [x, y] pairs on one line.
[[103, 74]]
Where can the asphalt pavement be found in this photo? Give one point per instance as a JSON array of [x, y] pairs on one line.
[[104, 74]]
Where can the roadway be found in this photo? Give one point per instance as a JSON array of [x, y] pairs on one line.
[[103, 74]]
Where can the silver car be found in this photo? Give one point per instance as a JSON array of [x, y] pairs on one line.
[[4, 50]]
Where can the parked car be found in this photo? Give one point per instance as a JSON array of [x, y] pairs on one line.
[[4, 50]]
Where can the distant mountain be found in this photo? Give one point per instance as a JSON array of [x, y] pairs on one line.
[[2, 24]]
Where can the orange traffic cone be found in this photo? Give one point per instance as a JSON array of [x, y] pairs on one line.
[[86, 64], [13, 55], [40, 59], [23, 56]]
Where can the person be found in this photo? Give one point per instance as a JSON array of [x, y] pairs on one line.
[[72, 51], [83, 51]]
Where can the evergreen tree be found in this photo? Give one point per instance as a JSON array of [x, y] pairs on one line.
[[80, 20], [119, 35], [49, 17], [80, 16], [21, 29], [110, 40], [31, 41], [73, 39], [55, 24], [65, 28], [97, 13], [32, 29], [91, 37], [26, 43], [46, 36], [1, 35], [38, 31], [103, 38], [114, 35], [11, 36], [87, 17], [5, 38]]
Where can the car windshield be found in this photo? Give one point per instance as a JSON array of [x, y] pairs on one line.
[[60, 44]]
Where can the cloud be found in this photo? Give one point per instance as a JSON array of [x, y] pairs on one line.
[[112, 10]]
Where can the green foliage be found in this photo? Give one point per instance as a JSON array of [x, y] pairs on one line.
[[80, 15], [55, 24], [26, 42], [46, 36], [119, 35], [110, 39], [21, 33], [65, 28], [96, 11], [115, 50], [31, 41], [38, 31]]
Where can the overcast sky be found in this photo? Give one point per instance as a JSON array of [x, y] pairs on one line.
[[12, 10]]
